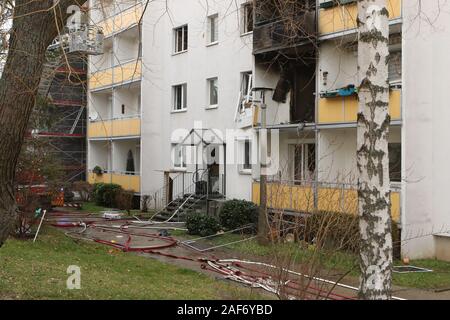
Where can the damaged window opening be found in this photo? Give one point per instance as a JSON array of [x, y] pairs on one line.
[[296, 85]]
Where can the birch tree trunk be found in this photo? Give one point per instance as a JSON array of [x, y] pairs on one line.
[[372, 151], [34, 28]]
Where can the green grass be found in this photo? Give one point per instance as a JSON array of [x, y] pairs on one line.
[[439, 278], [339, 261], [38, 271]]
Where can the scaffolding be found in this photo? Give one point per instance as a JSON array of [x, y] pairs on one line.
[[63, 83]]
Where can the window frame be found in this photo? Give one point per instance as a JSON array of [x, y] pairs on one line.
[[208, 87], [184, 39], [245, 145], [179, 154], [183, 101], [244, 18], [210, 32]]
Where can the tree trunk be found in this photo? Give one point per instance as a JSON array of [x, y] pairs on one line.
[[372, 151], [34, 28]]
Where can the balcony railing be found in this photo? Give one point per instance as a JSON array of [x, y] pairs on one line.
[[128, 181], [125, 127], [345, 109], [341, 17], [122, 20], [331, 197], [124, 73]]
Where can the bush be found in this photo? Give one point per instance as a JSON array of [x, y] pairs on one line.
[[105, 194], [237, 213], [332, 230], [84, 189], [124, 200], [202, 225]]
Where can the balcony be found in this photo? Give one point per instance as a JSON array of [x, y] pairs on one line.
[[122, 21], [338, 198], [336, 18], [338, 110], [124, 73], [280, 34], [127, 181], [127, 127]]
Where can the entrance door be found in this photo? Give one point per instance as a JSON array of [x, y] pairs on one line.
[[213, 169]]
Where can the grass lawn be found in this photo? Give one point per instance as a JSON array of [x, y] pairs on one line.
[[38, 271], [341, 261]]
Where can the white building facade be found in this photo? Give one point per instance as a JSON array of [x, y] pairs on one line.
[[171, 99]]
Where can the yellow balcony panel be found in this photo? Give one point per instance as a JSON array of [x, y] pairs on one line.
[[126, 181], [301, 199], [127, 18], [101, 79], [115, 128], [127, 72], [122, 21], [345, 109], [343, 17]]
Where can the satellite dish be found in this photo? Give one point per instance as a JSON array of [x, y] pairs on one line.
[[93, 116]]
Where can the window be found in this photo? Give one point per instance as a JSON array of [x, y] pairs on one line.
[[179, 156], [179, 93], [247, 155], [245, 164], [213, 29], [303, 161], [247, 17], [246, 91], [181, 39], [395, 162], [395, 66], [213, 98]]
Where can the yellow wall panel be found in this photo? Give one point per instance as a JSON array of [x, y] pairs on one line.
[[343, 17], [128, 182], [113, 76], [300, 198], [115, 128], [345, 109]]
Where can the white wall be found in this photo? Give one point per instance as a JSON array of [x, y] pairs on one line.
[[161, 69], [99, 155], [337, 154], [426, 97]]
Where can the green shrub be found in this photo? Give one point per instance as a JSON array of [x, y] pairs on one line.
[[201, 224], [104, 194], [124, 200], [236, 213]]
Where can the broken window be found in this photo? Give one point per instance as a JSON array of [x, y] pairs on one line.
[[247, 17]]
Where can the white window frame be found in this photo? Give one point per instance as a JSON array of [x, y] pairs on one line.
[[183, 107], [179, 157], [243, 167], [246, 91], [213, 29], [306, 175], [184, 39], [208, 85], [244, 15]]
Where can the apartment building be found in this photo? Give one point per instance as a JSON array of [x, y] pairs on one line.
[[171, 105], [166, 96]]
